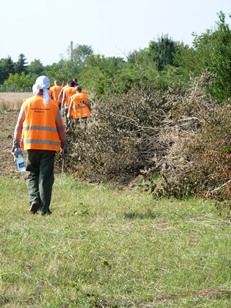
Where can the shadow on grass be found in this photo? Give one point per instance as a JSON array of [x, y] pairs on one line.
[[149, 214]]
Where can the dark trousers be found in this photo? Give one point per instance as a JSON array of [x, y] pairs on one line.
[[40, 164]]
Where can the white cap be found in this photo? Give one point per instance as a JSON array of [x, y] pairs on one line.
[[42, 83]]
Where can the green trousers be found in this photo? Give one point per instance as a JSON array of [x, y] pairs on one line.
[[40, 179]]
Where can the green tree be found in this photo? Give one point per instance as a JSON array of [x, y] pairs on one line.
[[140, 64], [18, 83], [155, 67], [162, 52], [6, 68], [214, 50], [211, 52], [61, 71], [35, 69], [77, 58], [80, 54], [103, 75], [21, 64]]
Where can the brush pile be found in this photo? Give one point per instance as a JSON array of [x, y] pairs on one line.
[[178, 143]]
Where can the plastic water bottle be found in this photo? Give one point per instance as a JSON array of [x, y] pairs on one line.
[[20, 163]]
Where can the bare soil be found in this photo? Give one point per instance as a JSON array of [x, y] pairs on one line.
[[10, 103], [8, 119]]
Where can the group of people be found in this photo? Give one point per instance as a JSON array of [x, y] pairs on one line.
[[40, 131], [72, 101]]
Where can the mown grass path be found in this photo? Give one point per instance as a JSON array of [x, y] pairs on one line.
[[104, 247]]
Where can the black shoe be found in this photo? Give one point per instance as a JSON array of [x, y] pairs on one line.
[[34, 208]]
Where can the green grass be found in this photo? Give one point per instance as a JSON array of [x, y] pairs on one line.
[[103, 247]]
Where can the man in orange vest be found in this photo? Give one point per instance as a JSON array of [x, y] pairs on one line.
[[79, 107], [60, 97], [67, 93], [40, 129], [55, 91]]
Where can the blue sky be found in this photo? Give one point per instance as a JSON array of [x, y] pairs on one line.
[[44, 29]]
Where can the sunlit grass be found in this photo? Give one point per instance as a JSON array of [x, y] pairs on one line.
[[111, 248]]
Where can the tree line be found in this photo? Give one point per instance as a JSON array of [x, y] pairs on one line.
[[165, 65]]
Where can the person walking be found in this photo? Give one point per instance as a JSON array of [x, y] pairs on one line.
[[67, 93], [79, 107], [55, 91], [60, 97], [39, 130]]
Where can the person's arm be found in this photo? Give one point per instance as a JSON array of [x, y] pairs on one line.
[[70, 107], [18, 127], [60, 128], [51, 93], [63, 99], [60, 97], [16, 147], [62, 133]]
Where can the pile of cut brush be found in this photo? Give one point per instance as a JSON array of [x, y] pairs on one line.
[[179, 143]]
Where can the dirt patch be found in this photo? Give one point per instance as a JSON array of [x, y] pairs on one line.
[[206, 293], [8, 119]]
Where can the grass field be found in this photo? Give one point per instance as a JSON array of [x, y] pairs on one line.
[[104, 247]]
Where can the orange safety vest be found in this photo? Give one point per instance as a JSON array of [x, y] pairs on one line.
[[39, 127], [54, 93], [68, 93], [80, 108]]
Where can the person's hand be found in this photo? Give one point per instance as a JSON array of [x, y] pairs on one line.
[[64, 148], [16, 150]]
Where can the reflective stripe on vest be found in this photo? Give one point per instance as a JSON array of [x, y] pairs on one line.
[[48, 128], [37, 141], [80, 107]]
